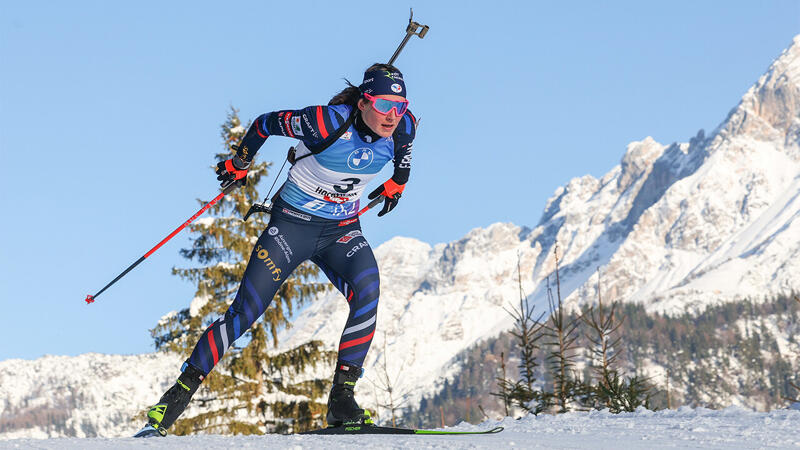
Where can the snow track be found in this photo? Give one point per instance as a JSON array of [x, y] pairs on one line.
[[684, 428]]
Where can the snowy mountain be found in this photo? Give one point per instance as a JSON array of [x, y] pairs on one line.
[[673, 227], [676, 227], [81, 396]]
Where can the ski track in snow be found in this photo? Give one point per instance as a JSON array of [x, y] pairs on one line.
[[732, 427]]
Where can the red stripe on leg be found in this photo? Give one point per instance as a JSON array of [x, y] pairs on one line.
[[213, 345], [355, 342]]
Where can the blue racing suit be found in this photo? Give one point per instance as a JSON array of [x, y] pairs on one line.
[[315, 218]]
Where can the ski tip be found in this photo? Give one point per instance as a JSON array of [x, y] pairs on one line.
[[450, 433], [89, 299]]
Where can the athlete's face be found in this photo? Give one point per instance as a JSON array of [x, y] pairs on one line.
[[382, 125]]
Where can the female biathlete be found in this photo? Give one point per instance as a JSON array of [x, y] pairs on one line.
[[314, 217]]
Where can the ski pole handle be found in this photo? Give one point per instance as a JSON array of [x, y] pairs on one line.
[[226, 189]]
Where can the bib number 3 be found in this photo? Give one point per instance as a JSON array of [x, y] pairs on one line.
[[351, 183]]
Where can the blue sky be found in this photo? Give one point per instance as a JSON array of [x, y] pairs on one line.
[[110, 115]]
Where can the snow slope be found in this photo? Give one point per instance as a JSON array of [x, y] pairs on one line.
[[684, 428]]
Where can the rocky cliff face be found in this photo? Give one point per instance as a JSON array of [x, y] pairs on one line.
[[680, 226]]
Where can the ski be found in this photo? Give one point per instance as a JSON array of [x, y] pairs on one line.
[[374, 429], [150, 431]]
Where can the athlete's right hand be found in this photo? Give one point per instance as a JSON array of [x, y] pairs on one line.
[[233, 170], [391, 191]]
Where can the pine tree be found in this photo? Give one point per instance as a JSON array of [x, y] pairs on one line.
[[611, 391], [249, 378], [561, 335], [527, 332], [603, 336]]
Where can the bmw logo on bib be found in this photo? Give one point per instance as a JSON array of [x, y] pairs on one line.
[[359, 158]]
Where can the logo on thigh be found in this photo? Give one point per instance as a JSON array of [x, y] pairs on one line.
[[349, 236], [263, 255], [356, 248]]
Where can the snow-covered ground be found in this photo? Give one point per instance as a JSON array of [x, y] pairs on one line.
[[684, 428]]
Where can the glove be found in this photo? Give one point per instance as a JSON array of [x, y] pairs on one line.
[[391, 191], [233, 170]]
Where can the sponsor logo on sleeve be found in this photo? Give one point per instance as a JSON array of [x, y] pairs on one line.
[[281, 123], [297, 127], [273, 231], [310, 127], [405, 163], [287, 119]]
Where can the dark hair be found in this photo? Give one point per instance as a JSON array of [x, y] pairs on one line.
[[348, 96], [351, 94]]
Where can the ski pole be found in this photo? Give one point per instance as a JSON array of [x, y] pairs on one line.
[[411, 30], [371, 204], [227, 189]]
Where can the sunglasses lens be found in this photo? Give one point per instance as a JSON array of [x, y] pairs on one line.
[[401, 108], [385, 106]]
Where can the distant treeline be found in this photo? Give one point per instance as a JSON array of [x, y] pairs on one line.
[[738, 352]]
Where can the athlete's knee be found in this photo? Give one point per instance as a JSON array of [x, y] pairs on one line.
[[369, 289]]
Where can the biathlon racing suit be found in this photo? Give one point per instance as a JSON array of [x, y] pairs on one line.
[[315, 218]]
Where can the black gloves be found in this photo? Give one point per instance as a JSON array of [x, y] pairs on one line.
[[233, 170], [391, 191]]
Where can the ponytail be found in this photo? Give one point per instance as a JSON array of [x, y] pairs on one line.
[[348, 96]]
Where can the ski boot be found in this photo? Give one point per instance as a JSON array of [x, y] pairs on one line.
[[162, 415], [342, 407]]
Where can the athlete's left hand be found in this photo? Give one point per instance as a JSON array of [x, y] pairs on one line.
[[391, 191]]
